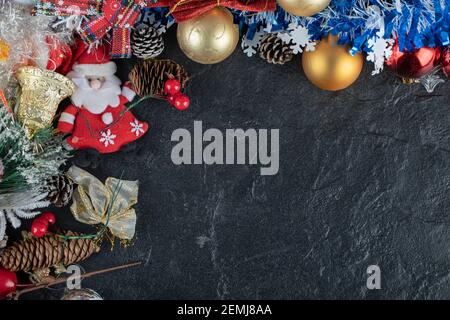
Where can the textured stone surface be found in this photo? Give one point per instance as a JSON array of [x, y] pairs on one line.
[[364, 179]]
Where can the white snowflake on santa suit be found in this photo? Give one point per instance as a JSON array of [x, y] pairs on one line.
[[107, 138], [98, 117], [137, 127]]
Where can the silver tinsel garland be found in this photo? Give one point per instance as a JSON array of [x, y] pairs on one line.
[[26, 37]]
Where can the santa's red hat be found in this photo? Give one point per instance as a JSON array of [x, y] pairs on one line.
[[94, 61]]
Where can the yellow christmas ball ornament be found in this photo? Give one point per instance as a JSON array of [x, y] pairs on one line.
[[209, 38], [304, 8], [330, 66]]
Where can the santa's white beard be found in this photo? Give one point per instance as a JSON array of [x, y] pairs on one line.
[[95, 100]]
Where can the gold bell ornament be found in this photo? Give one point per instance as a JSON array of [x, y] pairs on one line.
[[330, 66], [304, 8], [41, 93], [209, 38]]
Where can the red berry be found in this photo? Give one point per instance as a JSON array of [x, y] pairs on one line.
[[8, 282], [171, 99], [49, 217], [181, 102], [172, 87], [39, 227]]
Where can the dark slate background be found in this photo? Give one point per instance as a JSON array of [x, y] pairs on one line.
[[364, 179]]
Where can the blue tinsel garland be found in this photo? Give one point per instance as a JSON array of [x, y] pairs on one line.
[[415, 23]]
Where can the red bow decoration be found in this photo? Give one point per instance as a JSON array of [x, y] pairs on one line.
[[187, 9], [119, 15]]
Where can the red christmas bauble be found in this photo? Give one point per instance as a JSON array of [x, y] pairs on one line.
[[59, 55], [172, 87], [446, 61], [49, 217], [181, 102], [413, 64], [39, 227], [8, 282]]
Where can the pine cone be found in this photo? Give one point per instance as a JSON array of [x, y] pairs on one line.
[[60, 190], [274, 50], [39, 253], [146, 42], [149, 76]]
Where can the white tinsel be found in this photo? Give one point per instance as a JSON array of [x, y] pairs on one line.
[[26, 36], [28, 3]]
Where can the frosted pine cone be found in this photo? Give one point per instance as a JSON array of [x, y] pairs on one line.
[[146, 42], [60, 191]]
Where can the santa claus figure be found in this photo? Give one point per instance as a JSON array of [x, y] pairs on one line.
[[98, 117]]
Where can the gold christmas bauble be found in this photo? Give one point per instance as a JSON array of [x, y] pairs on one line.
[[209, 38], [330, 66], [303, 8]]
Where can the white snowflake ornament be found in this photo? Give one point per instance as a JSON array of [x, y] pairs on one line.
[[299, 38], [381, 51], [250, 47]]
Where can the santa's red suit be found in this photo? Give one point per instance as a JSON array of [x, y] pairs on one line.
[[98, 117]]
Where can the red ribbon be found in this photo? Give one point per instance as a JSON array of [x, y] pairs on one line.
[[183, 10], [116, 14], [119, 15]]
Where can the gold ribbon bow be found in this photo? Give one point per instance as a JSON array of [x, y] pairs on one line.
[[109, 204]]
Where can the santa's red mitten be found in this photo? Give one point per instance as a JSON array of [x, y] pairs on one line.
[[128, 92], [67, 119]]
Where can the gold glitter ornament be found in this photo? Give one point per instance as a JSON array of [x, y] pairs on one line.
[[41, 93], [209, 38]]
